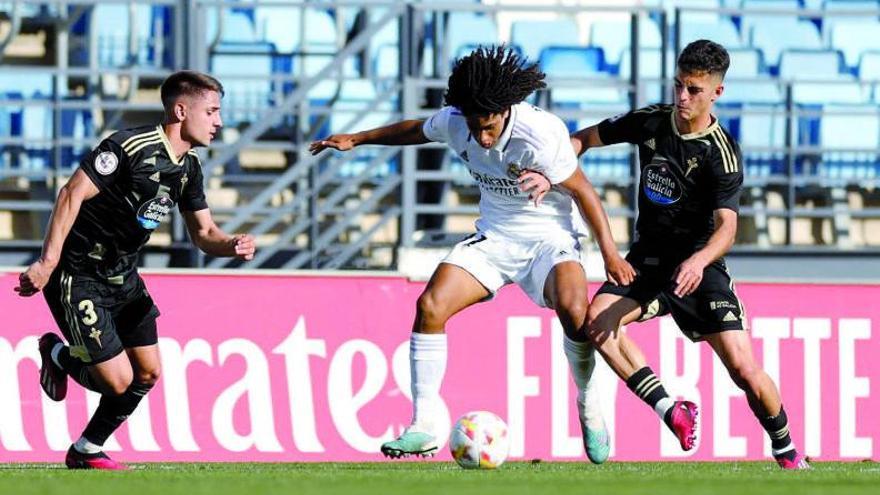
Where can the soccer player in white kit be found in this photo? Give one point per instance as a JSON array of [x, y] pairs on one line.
[[533, 244]]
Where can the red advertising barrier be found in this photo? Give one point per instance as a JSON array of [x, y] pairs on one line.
[[315, 368]]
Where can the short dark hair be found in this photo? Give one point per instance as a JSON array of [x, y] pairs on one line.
[[188, 83], [490, 80], [704, 56]]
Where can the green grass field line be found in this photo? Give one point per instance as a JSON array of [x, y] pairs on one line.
[[413, 478]]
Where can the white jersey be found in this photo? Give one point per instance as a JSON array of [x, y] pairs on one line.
[[534, 140]]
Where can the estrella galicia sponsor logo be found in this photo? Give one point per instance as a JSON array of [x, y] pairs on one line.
[[660, 185], [154, 212]]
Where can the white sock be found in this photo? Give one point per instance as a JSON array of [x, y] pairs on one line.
[[581, 361], [55, 351], [84, 446], [662, 406], [427, 365]]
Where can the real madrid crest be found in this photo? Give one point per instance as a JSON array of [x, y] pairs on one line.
[[514, 170]]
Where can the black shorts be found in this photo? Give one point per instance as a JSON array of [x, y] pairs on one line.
[[100, 319], [712, 308]]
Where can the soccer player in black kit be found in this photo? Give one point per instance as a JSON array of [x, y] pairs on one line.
[[123, 190], [691, 181]]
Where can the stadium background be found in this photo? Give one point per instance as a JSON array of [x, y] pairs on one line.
[[802, 98]]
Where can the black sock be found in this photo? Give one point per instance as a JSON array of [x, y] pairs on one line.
[[645, 384], [112, 411], [77, 369], [777, 428]]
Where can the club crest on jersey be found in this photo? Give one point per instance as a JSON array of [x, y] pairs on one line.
[[106, 163], [514, 170], [183, 181], [660, 185], [152, 213]]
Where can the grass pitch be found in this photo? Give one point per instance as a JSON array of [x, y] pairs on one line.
[[413, 478]]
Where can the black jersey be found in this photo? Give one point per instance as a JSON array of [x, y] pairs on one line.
[[140, 181], [684, 178]]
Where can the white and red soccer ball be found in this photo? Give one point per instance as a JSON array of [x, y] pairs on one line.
[[479, 441]]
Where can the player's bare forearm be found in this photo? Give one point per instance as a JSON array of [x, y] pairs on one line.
[[70, 198], [212, 240], [585, 139], [722, 239], [590, 206], [399, 133]]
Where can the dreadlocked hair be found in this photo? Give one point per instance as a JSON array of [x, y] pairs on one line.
[[490, 80]]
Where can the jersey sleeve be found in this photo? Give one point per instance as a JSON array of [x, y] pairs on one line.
[[106, 164], [630, 127], [727, 174], [193, 196], [436, 128]]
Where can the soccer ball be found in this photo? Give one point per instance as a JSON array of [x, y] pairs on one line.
[[479, 441]]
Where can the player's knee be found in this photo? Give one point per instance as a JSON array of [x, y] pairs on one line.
[[149, 377], [117, 385], [430, 308], [573, 305], [745, 373]]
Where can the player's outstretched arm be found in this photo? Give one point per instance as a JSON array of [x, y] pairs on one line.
[[211, 239], [70, 198], [585, 139], [618, 270], [400, 133]]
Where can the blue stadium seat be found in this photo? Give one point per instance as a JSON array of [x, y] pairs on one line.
[[650, 64], [237, 25], [245, 69], [614, 38], [745, 63], [775, 37], [109, 28], [571, 61], [748, 21], [843, 91], [534, 36], [869, 66], [764, 91], [721, 31], [467, 29], [851, 138], [692, 17], [810, 64], [762, 127], [288, 30], [854, 38]]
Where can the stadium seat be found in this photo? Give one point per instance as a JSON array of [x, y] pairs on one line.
[[745, 63], [237, 26], [762, 127], [695, 17], [533, 36], [854, 38], [844, 90], [614, 38], [721, 31], [245, 69], [775, 37], [749, 20], [650, 64], [571, 61], [810, 64], [850, 136], [466, 29]]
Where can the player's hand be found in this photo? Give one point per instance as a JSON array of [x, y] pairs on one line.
[[34, 278], [688, 276], [245, 247], [341, 142], [534, 183], [619, 271]]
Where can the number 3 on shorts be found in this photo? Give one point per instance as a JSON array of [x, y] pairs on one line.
[[88, 307]]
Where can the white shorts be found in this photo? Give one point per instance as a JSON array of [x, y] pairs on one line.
[[497, 261]]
